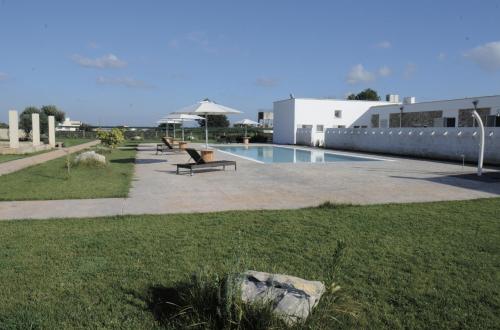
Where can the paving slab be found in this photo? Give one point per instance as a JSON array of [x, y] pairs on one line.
[[157, 189]]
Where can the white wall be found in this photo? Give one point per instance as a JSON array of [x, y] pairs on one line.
[[284, 122], [293, 113], [304, 137], [429, 142], [449, 107]]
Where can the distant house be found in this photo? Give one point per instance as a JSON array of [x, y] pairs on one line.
[[265, 119], [69, 125]]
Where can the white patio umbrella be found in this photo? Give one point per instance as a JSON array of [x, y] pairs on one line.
[[167, 121], [182, 117], [207, 107], [246, 123]]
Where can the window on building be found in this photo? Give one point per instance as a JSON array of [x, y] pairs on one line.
[[341, 126], [449, 121], [320, 128], [338, 113], [307, 126], [493, 121]]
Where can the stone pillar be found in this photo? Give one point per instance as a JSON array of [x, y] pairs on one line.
[[13, 129], [35, 130], [52, 131]]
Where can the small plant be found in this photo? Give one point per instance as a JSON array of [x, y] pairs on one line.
[[67, 164], [210, 301], [111, 138]]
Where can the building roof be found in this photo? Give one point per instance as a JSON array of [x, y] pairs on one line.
[[437, 101], [330, 99]]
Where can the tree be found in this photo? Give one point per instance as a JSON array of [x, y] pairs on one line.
[[215, 121], [45, 111], [50, 110], [25, 118], [366, 95], [3, 125]]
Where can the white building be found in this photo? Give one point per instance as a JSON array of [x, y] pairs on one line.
[[69, 125], [443, 113], [315, 114]]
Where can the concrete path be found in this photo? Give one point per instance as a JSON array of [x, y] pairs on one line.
[[19, 164], [157, 189]]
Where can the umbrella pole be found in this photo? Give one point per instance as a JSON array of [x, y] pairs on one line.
[[246, 131], [206, 131], [174, 130], [182, 126]]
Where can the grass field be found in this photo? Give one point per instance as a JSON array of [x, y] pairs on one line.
[[51, 180], [433, 265], [69, 142]]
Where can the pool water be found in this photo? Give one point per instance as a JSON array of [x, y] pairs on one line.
[[275, 154]]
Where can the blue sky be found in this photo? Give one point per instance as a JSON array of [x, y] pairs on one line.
[[131, 62]]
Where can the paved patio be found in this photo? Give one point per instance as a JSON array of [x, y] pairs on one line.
[[157, 189]]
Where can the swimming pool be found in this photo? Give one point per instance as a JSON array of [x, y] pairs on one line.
[[275, 154]]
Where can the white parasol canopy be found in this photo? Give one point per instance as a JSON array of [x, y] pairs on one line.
[[181, 118], [246, 123], [207, 107], [167, 121]]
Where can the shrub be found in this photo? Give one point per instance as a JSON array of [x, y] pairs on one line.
[[111, 138], [102, 150], [89, 162]]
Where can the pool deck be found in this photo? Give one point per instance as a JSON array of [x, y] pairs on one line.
[[157, 189]]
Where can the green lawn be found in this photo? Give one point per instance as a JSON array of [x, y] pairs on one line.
[[69, 142], [50, 180], [432, 265]]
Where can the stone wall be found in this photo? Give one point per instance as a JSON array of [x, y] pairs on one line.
[[437, 143], [465, 118], [4, 134], [415, 119]]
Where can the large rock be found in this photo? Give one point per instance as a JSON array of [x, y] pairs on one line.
[[293, 298], [90, 156]]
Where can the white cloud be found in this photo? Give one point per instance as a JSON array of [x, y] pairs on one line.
[[358, 74], [409, 70], [123, 81], [487, 56], [3, 76], [266, 82], [384, 71], [441, 56], [384, 44], [106, 61]]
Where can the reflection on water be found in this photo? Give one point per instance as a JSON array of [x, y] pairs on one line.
[[274, 154]]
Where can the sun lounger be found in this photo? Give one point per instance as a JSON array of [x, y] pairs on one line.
[[165, 146], [199, 163]]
